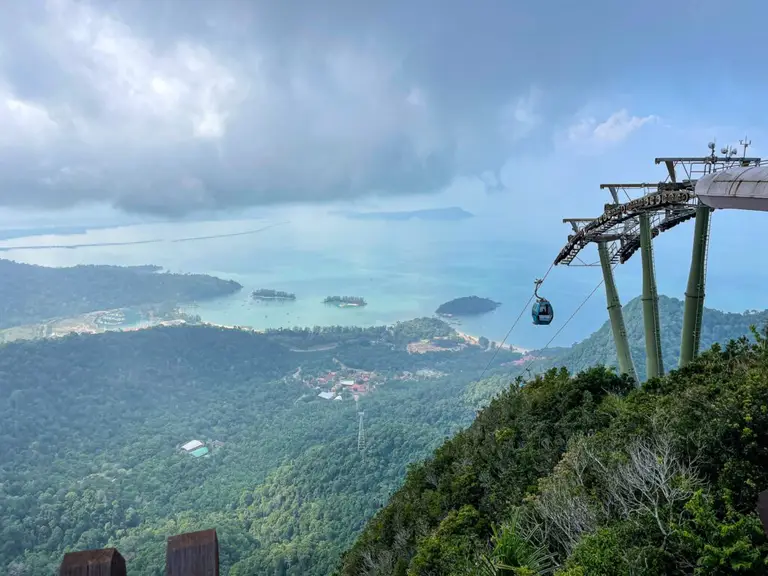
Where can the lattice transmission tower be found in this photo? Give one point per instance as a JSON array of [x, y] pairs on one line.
[[361, 433]]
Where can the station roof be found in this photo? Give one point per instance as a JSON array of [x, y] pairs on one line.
[[743, 188]]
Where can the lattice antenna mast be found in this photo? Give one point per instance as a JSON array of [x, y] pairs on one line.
[[690, 168], [745, 144], [361, 434]]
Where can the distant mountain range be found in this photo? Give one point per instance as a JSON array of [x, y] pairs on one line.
[[452, 213]]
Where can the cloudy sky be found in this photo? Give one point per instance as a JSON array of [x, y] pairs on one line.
[[166, 107]]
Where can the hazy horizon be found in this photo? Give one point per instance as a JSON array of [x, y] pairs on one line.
[[421, 263]]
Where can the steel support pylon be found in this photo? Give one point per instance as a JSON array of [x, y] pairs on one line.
[[624, 356], [361, 433], [694, 294], [654, 361]]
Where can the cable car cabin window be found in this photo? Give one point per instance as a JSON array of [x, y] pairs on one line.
[[542, 312]]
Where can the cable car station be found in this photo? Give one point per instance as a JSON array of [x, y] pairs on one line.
[[693, 188]]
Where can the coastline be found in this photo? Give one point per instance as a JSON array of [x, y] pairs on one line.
[[469, 338], [476, 341], [84, 324], [233, 327]]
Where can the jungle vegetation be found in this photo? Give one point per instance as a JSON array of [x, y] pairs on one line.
[[270, 294], [345, 300], [584, 474], [599, 349], [31, 294], [467, 306], [90, 428]]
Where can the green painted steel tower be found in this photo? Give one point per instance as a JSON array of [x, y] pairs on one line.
[[624, 356], [694, 294], [654, 361]]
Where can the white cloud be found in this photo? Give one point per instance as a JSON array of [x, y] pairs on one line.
[[520, 116], [24, 123], [183, 105], [620, 125], [175, 93], [148, 115], [616, 128]]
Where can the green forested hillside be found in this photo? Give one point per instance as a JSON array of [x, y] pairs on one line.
[[30, 294], [581, 475], [90, 428], [599, 348]]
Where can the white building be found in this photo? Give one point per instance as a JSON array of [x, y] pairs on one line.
[[326, 395], [192, 445]]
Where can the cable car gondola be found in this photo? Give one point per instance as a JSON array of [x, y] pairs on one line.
[[542, 311]]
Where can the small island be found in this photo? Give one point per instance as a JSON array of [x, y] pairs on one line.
[[467, 306], [345, 301], [269, 294]]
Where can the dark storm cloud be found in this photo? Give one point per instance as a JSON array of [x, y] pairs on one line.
[[168, 106]]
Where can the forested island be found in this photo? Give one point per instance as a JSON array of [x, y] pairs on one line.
[[467, 306], [269, 294], [30, 294], [345, 301]]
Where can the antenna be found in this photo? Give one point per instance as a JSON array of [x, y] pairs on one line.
[[712, 155], [729, 152], [745, 144]]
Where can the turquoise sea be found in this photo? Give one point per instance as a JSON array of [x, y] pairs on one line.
[[403, 269]]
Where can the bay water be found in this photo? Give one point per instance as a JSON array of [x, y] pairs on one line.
[[404, 269]]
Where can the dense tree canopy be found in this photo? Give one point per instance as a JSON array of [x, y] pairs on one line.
[[30, 294], [90, 428], [599, 349], [352, 300], [467, 306], [586, 474], [270, 294]]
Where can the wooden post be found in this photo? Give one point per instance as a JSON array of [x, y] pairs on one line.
[[105, 562], [762, 509], [193, 554]]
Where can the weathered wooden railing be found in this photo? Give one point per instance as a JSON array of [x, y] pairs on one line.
[[190, 554], [762, 509]]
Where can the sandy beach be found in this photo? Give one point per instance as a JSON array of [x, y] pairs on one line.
[[476, 340], [466, 337]]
